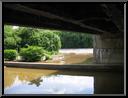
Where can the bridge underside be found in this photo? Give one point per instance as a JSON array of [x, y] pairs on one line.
[[105, 21]]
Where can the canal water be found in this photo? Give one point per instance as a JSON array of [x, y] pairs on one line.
[[42, 81]]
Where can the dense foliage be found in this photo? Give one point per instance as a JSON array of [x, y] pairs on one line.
[[76, 40], [10, 43], [11, 39], [48, 40], [34, 43], [31, 53], [34, 53], [10, 54], [26, 34], [8, 31]]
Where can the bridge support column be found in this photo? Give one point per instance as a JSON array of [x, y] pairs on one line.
[[108, 48]]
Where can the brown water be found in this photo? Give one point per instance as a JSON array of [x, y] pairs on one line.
[[70, 58], [42, 81]]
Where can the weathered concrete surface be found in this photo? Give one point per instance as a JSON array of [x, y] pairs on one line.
[[109, 48], [109, 83], [88, 67]]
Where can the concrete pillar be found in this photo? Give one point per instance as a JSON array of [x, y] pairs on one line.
[[108, 83], [108, 48]]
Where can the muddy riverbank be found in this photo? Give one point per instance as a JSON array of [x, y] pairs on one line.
[[69, 56]]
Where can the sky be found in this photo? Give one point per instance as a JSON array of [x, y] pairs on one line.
[[15, 27]]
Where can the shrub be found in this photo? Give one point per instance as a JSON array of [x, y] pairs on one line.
[[48, 40], [8, 31], [10, 43], [11, 39], [47, 55], [25, 34], [10, 54], [33, 53]]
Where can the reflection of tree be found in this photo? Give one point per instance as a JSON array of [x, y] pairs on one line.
[[36, 81]]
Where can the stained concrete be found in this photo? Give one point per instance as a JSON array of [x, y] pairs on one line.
[[108, 48]]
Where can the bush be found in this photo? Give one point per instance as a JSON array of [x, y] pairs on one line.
[[25, 34], [33, 53], [11, 39], [8, 31], [47, 55], [51, 43], [48, 40], [10, 54], [10, 43]]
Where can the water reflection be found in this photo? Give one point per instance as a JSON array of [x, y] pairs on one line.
[[54, 84], [29, 81], [36, 81]]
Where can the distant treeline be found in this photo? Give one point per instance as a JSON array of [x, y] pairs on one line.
[[75, 40]]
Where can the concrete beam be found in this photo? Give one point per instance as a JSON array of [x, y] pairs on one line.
[[87, 67]]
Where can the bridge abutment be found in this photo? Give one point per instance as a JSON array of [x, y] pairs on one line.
[[108, 48]]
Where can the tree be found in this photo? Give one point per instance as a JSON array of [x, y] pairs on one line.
[[8, 31], [36, 37], [50, 41], [10, 43], [11, 39], [75, 40]]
